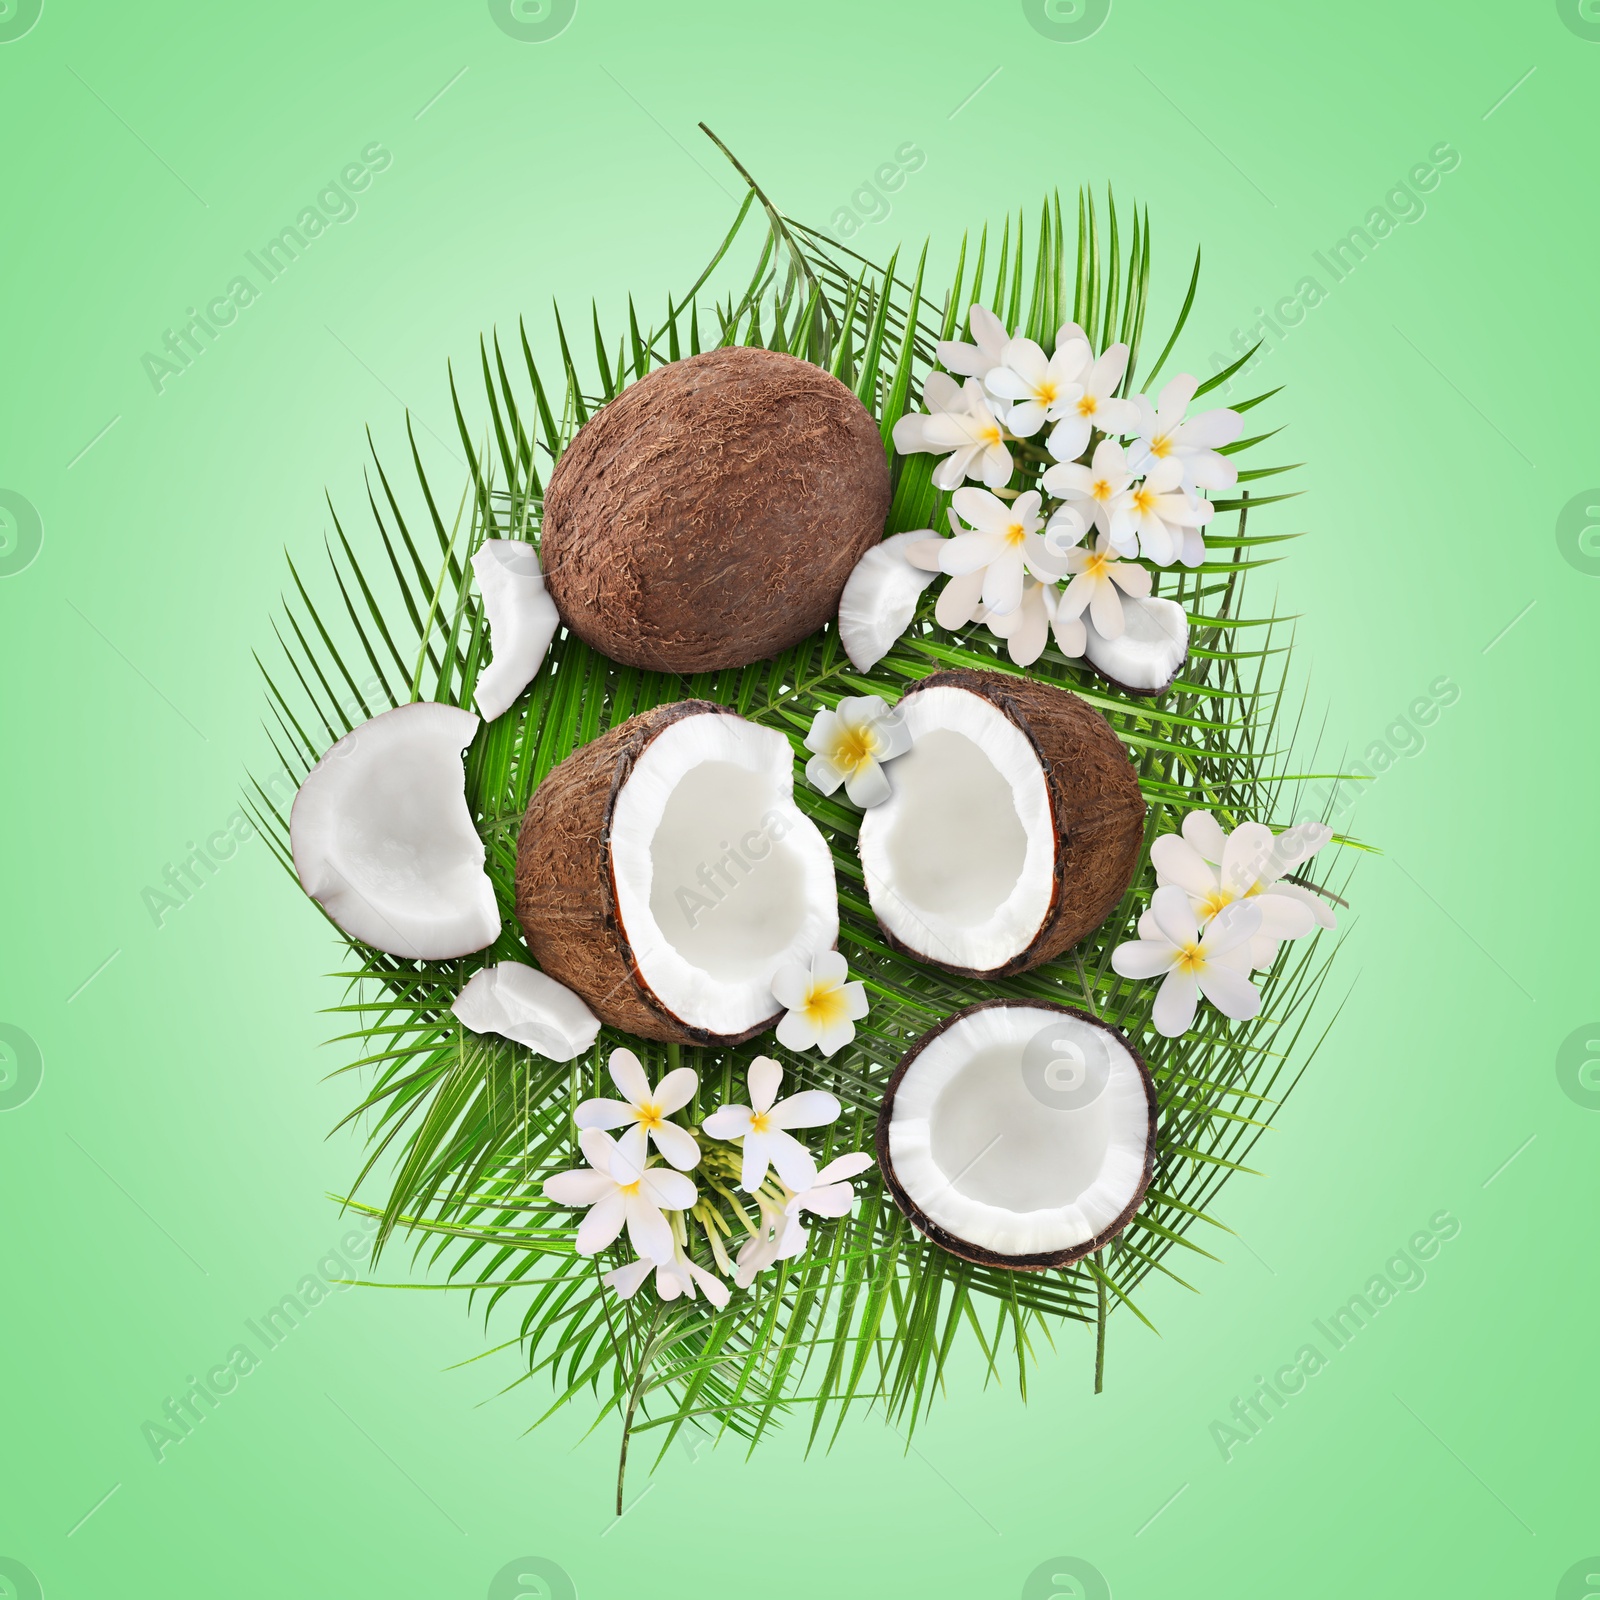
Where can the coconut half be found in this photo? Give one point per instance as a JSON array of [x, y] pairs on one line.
[[1149, 654], [522, 621], [880, 597], [519, 1002], [382, 839], [1013, 830], [1019, 1134], [665, 874]]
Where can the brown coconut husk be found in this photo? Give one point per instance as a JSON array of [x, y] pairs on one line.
[[566, 890], [1094, 801], [966, 1249], [709, 516]]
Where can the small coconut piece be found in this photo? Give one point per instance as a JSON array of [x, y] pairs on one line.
[[1019, 1134], [522, 621], [665, 874], [1147, 657], [880, 597], [519, 1002], [1014, 827], [383, 841], [709, 516]]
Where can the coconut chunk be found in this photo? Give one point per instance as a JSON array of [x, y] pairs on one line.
[[665, 874], [519, 1002], [522, 621], [1013, 829], [880, 598], [1151, 650], [1019, 1134], [382, 839]]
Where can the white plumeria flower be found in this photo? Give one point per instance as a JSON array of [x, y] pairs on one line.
[[1040, 388], [646, 1108], [1165, 519], [1097, 576], [770, 1243], [676, 1277], [763, 1126], [1216, 868], [820, 1007], [1027, 630], [1164, 435], [830, 1196], [1005, 545], [1094, 496], [619, 1189], [1096, 405], [978, 359], [850, 743], [1192, 962], [959, 420]]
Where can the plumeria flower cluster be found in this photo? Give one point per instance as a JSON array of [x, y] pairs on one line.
[[1221, 910], [638, 1182], [1121, 484]]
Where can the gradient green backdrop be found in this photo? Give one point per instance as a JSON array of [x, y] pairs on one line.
[[166, 1180]]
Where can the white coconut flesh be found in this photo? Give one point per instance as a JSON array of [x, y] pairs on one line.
[[382, 839], [960, 860], [522, 621], [720, 879], [1021, 1130], [519, 1002], [1153, 645], [880, 597]]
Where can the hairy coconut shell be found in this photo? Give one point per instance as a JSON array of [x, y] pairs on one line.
[[709, 516], [566, 891], [965, 1248], [1095, 805]]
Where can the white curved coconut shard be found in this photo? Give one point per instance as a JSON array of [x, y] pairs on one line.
[[960, 860], [382, 839], [1022, 1131], [1151, 650], [519, 1002], [720, 878], [522, 621], [880, 597]]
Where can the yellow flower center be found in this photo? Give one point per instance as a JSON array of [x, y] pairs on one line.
[[989, 435], [650, 1116], [825, 1004], [855, 749], [1046, 392], [1144, 499], [1214, 902], [1100, 489], [1190, 958], [1161, 446], [1015, 533], [1098, 565], [629, 1188], [1088, 405], [760, 1122]]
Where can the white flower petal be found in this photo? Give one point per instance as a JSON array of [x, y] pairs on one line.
[[1173, 1012]]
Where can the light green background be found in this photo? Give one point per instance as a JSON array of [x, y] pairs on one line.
[[168, 1178]]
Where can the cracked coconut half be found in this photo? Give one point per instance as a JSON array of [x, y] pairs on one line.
[[665, 875], [383, 841], [1013, 829], [1147, 656], [1019, 1134]]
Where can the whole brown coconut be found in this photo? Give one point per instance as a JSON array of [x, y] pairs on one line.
[[1096, 815], [709, 516]]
